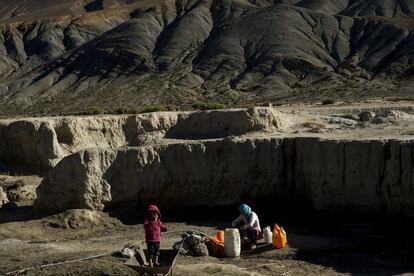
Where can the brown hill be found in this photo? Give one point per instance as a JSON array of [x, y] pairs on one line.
[[60, 56]]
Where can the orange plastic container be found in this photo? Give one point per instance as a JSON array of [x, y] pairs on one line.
[[279, 237], [219, 237]]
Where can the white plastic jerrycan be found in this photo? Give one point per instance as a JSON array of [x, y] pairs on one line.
[[267, 234]]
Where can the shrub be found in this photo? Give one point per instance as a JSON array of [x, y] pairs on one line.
[[158, 107], [207, 106], [121, 110], [144, 109], [93, 110], [328, 101]]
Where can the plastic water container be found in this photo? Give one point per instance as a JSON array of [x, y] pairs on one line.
[[232, 243], [267, 234]]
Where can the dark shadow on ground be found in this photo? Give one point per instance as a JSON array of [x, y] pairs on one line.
[[365, 244], [19, 170], [218, 217], [359, 261], [348, 243], [261, 248], [14, 213]]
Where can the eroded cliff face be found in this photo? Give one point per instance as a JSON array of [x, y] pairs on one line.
[[40, 143], [352, 163], [362, 176], [367, 175], [30, 143]]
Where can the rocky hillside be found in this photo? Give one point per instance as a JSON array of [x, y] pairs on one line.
[[64, 56]]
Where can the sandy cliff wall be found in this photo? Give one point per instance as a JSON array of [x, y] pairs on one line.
[[211, 158], [362, 176], [40, 143], [29, 143]]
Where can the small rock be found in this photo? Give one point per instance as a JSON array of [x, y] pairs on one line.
[[200, 249], [350, 117], [341, 121], [366, 116], [379, 120], [3, 197], [76, 219], [394, 115], [194, 239], [21, 192]]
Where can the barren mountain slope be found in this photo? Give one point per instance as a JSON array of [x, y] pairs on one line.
[[392, 8], [60, 57]]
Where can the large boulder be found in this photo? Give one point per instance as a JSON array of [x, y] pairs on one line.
[[29, 142], [223, 123]]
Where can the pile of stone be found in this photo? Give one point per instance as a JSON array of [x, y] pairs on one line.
[[194, 244], [382, 117]]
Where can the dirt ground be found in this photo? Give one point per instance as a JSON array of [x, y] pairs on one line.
[[317, 245]]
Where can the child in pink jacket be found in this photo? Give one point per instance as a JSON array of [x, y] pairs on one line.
[[153, 227]]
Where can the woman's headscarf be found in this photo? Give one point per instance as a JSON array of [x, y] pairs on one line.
[[245, 210]]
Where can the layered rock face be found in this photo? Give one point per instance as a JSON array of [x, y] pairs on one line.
[[217, 158], [40, 143], [362, 176], [28, 143]]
